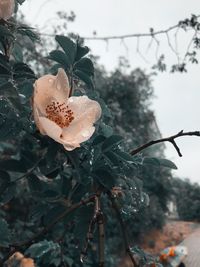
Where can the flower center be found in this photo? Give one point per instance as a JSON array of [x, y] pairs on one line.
[[59, 113]]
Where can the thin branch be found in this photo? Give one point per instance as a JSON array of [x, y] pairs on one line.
[[101, 232], [28, 242], [54, 222], [123, 229], [170, 45], [125, 36], [98, 218], [189, 46], [90, 235], [170, 139]]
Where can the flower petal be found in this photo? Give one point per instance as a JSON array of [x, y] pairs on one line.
[[50, 87], [51, 129], [77, 133], [55, 132], [37, 121], [82, 106], [70, 147], [6, 8], [86, 113]]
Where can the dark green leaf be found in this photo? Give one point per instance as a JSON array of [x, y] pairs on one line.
[[151, 161], [167, 163], [59, 57], [98, 140], [124, 156], [5, 234], [27, 31], [105, 177], [53, 213], [17, 52], [68, 46], [85, 78], [113, 140], [21, 1], [38, 250], [85, 65], [12, 165], [81, 52]]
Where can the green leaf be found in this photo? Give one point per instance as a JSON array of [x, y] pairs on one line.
[[59, 57], [85, 65], [98, 140], [4, 32], [12, 165], [159, 162], [23, 71], [113, 140], [5, 234], [7, 194], [38, 250], [26, 88], [124, 156], [53, 213], [28, 31], [167, 163], [106, 130], [21, 1], [112, 157], [17, 52], [5, 67], [68, 46], [151, 161], [35, 184], [81, 52], [105, 177], [83, 218], [85, 78]]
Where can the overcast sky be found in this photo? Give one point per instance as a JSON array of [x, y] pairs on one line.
[[177, 95]]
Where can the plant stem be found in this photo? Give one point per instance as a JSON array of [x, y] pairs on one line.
[[123, 229]]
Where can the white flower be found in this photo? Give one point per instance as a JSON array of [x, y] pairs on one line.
[[67, 120], [6, 8]]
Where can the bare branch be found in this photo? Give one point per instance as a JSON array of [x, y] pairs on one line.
[[170, 139], [133, 35]]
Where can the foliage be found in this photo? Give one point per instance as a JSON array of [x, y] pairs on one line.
[[55, 204], [187, 197]]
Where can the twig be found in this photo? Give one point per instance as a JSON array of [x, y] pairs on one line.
[[170, 139], [125, 36], [98, 219], [59, 218], [23, 176], [90, 235], [46, 229], [101, 232], [123, 228]]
